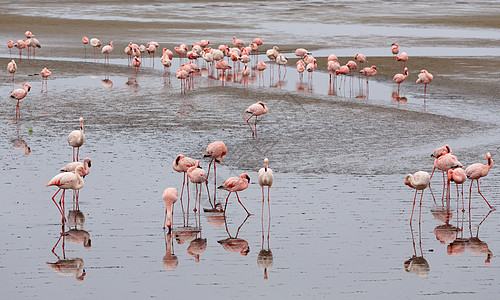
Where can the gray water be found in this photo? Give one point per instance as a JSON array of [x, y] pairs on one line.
[[339, 209]]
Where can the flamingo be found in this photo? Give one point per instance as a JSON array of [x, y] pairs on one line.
[[136, 63], [19, 94], [20, 44], [96, 43], [34, 43], [476, 171], [10, 45], [332, 67], [28, 34], [418, 181], [441, 151], [256, 109], [395, 48], [445, 162], [85, 41], [197, 176], [403, 57], [281, 60], [311, 67], [332, 57], [222, 65], [12, 68], [458, 176], [301, 67], [425, 78], [71, 167], [368, 72], [215, 151], [272, 53], [106, 50], [235, 184], [45, 74], [351, 65], [64, 181], [266, 178], [151, 48], [170, 196], [399, 78], [237, 42], [300, 52], [76, 139], [182, 164], [246, 71], [360, 58]]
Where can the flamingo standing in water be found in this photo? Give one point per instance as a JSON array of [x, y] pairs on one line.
[[76, 139], [12, 68], [96, 43], [170, 196], [45, 75], [332, 66], [182, 164], [458, 176], [215, 151], [235, 184], [71, 167], [20, 44], [85, 41], [256, 109], [425, 78], [238, 43], [10, 45], [476, 171], [19, 94], [106, 50], [418, 181], [197, 176], [360, 58], [368, 72], [64, 181], [34, 43], [399, 78], [136, 63], [266, 178]]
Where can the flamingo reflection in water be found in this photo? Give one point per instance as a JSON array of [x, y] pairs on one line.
[[76, 219], [235, 244], [417, 264], [265, 257], [197, 247], [20, 144], [170, 260], [473, 244], [67, 266], [215, 216]]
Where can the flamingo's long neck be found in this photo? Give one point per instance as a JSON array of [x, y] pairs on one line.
[[408, 180], [80, 183], [490, 163], [265, 167]]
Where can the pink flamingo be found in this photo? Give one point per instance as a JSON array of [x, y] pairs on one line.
[[64, 181], [197, 176], [332, 67], [215, 151], [235, 184], [439, 151], [403, 57], [351, 65], [332, 57], [106, 50], [151, 48], [128, 51], [399, 78], [182, 164], [360, 58], [34, 43], [28, 34], [19, 94], [300, 52], [261, 66], [418, 181], [96, 43], [45, 75], [266, 178], [85, 41], [20, 44], [281, 60], [222, 65], [76, 139], [10, 45], [12, 68], [257, 41], [238, 43], [395, 48], [425, 78], [256, 109], [71, 167], [170, 196], [136, 63], [458, 176], [476, 171], [368, 72]]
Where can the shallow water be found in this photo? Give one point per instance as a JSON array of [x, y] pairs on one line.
[[339, 209]]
